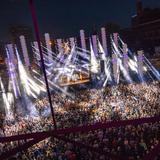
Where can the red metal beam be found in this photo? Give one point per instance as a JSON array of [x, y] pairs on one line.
[[85, 128], [56, 133], [36, 28], [23, 147]]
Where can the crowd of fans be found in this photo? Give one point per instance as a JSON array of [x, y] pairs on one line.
[[89, 106]]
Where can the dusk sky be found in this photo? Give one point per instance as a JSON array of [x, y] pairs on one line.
[[65, 18]]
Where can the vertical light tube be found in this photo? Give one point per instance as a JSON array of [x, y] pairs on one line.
[[24, 50], [11, 67], [104, 40], [48, 45], [35, 45], [11, 53], [115, 38], [140, 63], [83, 41], [60, 48], [125, 56], [115, 67], [95, 47], [72, 42]]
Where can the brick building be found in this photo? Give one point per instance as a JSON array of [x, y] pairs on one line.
[[144, 32]]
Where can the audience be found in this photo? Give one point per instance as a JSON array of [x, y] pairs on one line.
[[120, 102]]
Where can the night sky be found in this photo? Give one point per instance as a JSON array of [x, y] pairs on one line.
[[65, 18]]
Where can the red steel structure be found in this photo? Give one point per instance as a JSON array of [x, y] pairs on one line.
[[61, 133]]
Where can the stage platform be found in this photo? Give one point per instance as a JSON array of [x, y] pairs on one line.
[[74, 82]]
